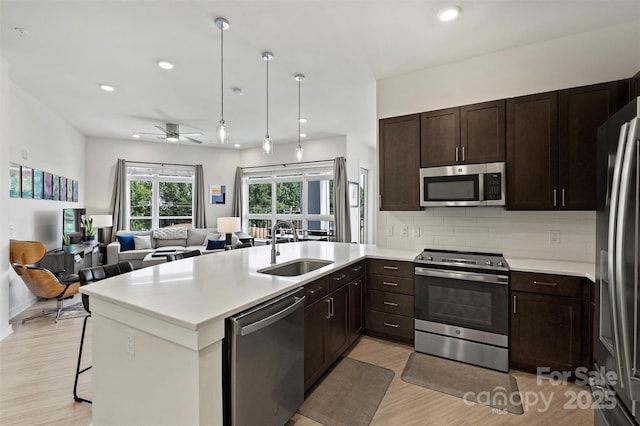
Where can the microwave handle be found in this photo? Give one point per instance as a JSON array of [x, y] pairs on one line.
[[481, 178]]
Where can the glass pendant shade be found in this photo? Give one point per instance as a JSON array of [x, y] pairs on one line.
[[299, 153], [222, 132], [267, 145]]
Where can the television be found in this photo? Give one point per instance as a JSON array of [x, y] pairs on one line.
[[72, 224]]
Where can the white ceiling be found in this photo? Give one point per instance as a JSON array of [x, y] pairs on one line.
[[69, 47]]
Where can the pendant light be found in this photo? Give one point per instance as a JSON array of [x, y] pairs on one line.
[[299, 78], [267, 143], [223, 25]]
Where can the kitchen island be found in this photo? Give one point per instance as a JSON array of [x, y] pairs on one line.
[[157, 332]]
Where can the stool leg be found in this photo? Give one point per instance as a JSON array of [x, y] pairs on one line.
[[78, 371]]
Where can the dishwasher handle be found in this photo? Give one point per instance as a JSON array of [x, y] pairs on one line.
[[265, 322]]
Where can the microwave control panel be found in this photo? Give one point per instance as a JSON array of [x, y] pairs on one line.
[[493, 186]]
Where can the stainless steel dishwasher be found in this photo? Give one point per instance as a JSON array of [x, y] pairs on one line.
[[263, 367]]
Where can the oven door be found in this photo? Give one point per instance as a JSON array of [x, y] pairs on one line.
[[468, 305]]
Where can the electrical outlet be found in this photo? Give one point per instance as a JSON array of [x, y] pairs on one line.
[[131, 342], [404, 232], [11, 229], [414, 231], [554, 237], [390, 231]]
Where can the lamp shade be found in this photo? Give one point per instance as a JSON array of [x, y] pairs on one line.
[[102, 220], [228, 225]]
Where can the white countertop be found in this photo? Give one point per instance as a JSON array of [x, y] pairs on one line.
[[199, 290], [559, 267]]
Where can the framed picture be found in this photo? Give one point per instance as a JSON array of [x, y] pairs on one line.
[[75, 191], [38, 184], [70, 189], [47, 191], [55, 195], [27, 182], [63, 188], [15, 181], [354, 190], [217, 194]]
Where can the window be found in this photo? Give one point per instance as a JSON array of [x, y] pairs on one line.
[[160, 196], [302, 196]]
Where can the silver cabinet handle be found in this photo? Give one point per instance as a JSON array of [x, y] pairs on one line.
[[463, 154], [340, 277], [315, 290], [328, 308], [390, 303], [331, 298], [562, 197], [392, 268], [555, 197], [388, 324], [456, 154], [546, 284], [515, 310], [390, 284], [357, 269]]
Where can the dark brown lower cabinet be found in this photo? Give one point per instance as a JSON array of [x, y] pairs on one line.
[[315, 316], [356, 309]]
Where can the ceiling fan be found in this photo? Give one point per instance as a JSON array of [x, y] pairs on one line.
[[172, 134]]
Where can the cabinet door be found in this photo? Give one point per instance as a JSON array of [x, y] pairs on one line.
[[440, 137], [532, 152], [581, 111], [545, 331], [400, 163], [356, 296], [482, 132], [315, 317], [337, 334]]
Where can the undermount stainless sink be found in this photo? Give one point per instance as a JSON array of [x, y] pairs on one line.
[[296, 267]]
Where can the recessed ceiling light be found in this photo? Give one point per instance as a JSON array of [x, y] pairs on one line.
[[302, 120], [449, 13], [303, 135], [165, 65], [107, 88], [237, 145], [135, 135]]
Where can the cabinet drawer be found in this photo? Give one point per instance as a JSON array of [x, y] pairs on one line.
[[560, 285], [315, 290], [356, 270], [391, 284], [338, 279], [395, 325], [391, 303], [392, 267]]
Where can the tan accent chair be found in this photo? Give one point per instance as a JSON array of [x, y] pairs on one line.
[[24, 257]]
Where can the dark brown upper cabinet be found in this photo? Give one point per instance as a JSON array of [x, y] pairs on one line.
[[551, 146], [463, 135], [634, 86], [399, 151]]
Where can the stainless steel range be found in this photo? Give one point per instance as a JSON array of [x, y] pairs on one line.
[[462, 307]]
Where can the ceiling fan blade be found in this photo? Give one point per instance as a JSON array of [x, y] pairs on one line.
[[191, 134], [153, 134], [191, 139], [158, 127]]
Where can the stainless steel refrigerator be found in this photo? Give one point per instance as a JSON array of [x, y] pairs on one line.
[[615, 384]]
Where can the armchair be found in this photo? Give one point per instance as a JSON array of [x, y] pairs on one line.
[[23, 257]]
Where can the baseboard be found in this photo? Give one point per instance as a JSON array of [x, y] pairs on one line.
[[5, 331], [17, 310]]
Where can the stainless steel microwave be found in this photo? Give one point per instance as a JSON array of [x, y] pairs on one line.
[[463, 185]]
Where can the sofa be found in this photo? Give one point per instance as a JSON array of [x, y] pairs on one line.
[[144, 242]]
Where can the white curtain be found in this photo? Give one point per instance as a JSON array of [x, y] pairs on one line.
[[118, 202], [199, 202], [341, 201]]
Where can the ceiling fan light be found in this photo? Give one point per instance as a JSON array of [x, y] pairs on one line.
[[222, 132]]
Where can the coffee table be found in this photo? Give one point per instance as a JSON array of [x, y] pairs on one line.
[[150, 259]]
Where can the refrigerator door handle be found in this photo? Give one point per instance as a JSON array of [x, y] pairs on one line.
[[611, 248], [621, 278]]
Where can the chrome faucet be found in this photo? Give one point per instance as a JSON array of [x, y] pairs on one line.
[[274, 239]]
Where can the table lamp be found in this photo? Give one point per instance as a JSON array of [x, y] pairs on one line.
[[228, 225], [101, 221]]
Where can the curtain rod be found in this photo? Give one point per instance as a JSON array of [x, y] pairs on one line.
[[288, 164], [158, 164]]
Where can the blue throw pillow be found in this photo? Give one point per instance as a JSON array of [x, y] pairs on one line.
[[215, 244], [126, 242]]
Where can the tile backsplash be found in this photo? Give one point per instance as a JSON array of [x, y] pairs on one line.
[[557, 235]]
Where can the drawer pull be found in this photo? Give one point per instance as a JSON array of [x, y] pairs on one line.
[[393, 268], [357, 269], [315, 290], [340, 277], [547, 284], [388, 324], [390, 284], [390, 303]]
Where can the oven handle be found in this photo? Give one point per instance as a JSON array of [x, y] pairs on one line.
[[462, 275]]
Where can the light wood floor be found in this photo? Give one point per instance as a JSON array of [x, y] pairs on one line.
[[37, 366]]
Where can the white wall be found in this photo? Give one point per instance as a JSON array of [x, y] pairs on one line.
[[593, 57], [49, 144], [5, 328], [218, 164], [362, 155]]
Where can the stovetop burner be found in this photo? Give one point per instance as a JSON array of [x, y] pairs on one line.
[[462, 260]]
